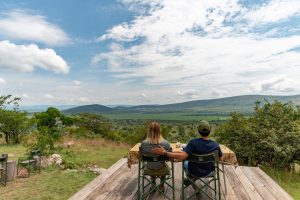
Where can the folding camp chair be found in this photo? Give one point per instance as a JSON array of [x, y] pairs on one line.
[[3, 169], [144, 179], [32, 163], [205, 181]]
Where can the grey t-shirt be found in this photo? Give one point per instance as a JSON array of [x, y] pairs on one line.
[[146, 149]]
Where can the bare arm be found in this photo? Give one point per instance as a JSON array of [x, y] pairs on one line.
[[177, 155], [173, 155]]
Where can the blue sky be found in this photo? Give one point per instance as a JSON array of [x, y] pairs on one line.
[[147, 52]]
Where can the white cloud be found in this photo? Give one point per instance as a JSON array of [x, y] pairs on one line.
[[142, 96], [84, 100], [26, 96], [274, 11], [277, 84], [22, 25], [188, 94], [215, 92], [27, 57], [203, 43], [76, 82], [2, 81], [48, 96]]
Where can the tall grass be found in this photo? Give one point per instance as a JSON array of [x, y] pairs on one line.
[[289, 181]]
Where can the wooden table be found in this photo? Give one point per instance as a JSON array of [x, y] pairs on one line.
[[133, 155]]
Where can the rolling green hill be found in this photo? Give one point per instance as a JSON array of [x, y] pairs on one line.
[[94, 108], [210, 107]]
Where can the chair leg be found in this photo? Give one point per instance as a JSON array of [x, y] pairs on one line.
[[182, 185], [219, 183], [215, 184], [18, 169], [28, 170], [139, 181], [224, 179], [173, 183]]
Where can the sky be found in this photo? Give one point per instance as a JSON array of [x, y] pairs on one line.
[[133, 52]]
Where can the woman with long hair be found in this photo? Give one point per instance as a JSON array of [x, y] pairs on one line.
[[155, 139]]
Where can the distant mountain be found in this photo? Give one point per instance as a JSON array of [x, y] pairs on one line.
[[95, 109], [221, 106], [42, 108], [226, 105]]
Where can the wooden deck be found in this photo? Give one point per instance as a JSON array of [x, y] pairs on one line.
[[120, 183]]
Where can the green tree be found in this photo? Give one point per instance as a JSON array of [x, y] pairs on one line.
[[137, 134], [13, 123], [6, 100], [50, 126], [52, 118], [95, 123], [271, 136]]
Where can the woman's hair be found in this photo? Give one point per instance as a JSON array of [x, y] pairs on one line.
[[154, 133]]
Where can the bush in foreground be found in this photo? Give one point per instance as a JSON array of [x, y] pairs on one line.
[[271, 136]]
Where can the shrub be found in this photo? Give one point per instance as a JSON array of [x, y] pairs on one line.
[[271, 136], [45, 140], [80, 132]]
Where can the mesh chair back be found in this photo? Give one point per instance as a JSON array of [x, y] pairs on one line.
[[212, 160], [3, 169], [35, 153], [3, 158], [202, 158], [145, 156], [145, 182]]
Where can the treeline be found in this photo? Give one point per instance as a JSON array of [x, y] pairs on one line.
[[270, 136], [45, 129]]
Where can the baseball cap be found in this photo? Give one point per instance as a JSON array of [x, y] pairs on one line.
[[203, 125]]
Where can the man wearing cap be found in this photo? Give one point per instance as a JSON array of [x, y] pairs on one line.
[[202, 145]]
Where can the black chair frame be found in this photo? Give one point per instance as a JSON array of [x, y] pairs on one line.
[[213, 177], [142, 177], [31, 163], [3, 169]]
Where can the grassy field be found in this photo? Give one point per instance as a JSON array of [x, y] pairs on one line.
[[287, 180], [165, 116], [54, 183]]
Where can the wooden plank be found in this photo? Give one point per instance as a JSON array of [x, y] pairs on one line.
[[256, 182], [278, 192], [250, 189], [84, 192], [121, 183], [230, 193], [239, 191], [177, 181], [103, 189]]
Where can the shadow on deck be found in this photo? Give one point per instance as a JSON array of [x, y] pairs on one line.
[[120, 182]]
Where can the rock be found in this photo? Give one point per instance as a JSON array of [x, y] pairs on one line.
[[97, 170], [45, 161], [71, 170], [56, 159]]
